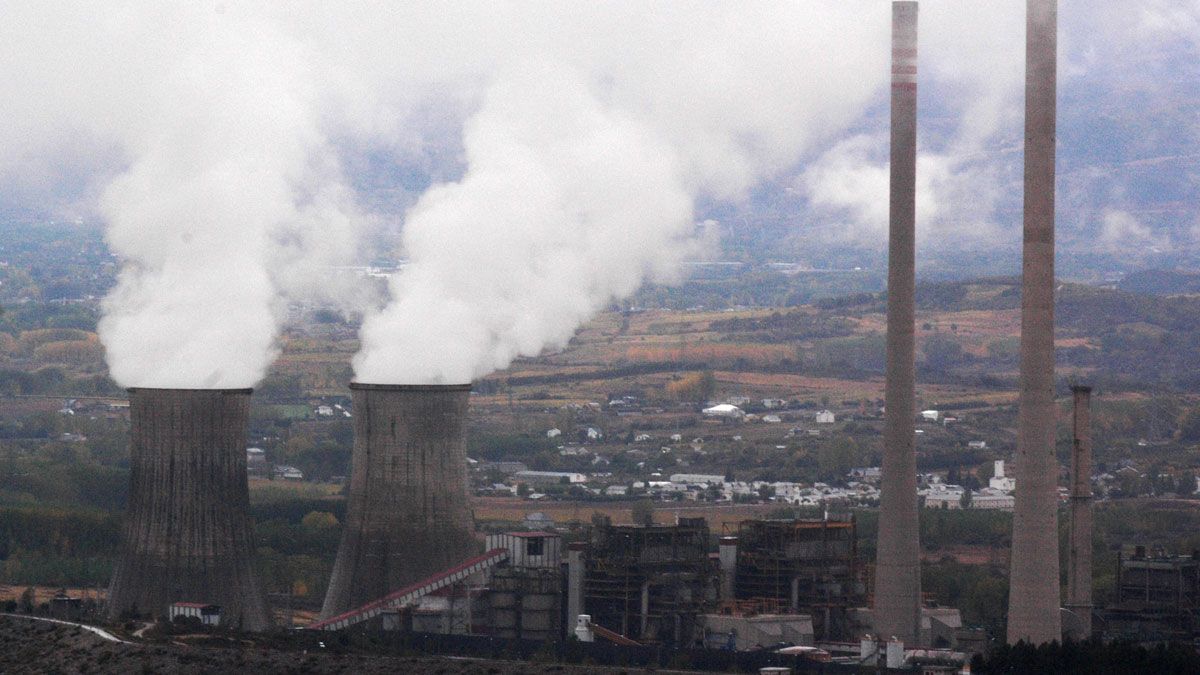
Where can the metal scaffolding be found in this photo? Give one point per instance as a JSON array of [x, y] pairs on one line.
[[1158, 597], [649, 582], [806, 566]]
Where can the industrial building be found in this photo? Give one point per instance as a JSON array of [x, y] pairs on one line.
[[1158, 597], [649, 583], [525, 597], [800, 566], [642, 584]]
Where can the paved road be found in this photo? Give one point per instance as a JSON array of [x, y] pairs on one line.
[[98, 631]]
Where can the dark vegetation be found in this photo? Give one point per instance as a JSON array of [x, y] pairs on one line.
[[1089, 657], [778, 327], [37, 647]]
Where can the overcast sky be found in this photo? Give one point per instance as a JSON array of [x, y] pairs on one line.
[[231, 148]]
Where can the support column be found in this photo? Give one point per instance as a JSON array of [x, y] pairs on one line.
[[574, 584], [727, 552]]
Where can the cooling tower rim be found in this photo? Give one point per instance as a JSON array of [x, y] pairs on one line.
[[367, 386], [197, 390]]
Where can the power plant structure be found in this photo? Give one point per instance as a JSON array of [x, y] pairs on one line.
[[409, 530], [897, 610], [408, 514], [1157, 597], [187, 535], [1033, 608], [801, 566], [792, 581], [649, 582], [1079, 559]]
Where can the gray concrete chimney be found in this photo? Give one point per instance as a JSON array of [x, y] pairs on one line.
[[897, 566], [1033, 606], [1079, 565]]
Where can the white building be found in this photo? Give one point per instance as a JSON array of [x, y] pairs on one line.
[[977, 445], [553, 433], [788, 492], [209, 615], [288, 472], [772, 419], [930, 415], [992, 500], [826, 417], [724, 410], [943, 496], [999, 481], [943, 500], [696, 479], [867, 473], [549, 477]]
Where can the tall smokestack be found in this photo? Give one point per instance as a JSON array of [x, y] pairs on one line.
[[897, 566], [408, 516], [1033, 607], [187, 534], [1079, 566]]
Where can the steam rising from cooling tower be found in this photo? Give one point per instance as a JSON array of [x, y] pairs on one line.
[[565, 205], [229, 179], [581, 174]]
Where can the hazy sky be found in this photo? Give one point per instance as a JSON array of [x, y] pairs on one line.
[[232, 148]]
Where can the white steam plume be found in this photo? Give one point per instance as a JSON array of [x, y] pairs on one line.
[[194, 215], [225, 193], [583, 162], [564, 206]]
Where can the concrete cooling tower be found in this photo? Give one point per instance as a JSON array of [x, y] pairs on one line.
[[408, 515], [187, 535]]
